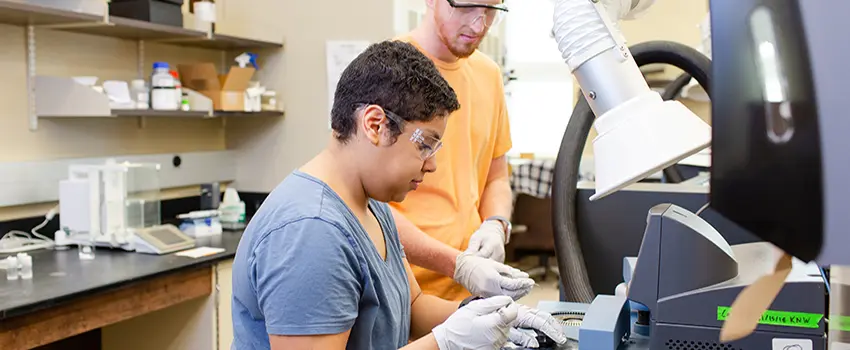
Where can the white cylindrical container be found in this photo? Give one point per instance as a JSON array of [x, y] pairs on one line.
[[25, 264], [11, 268], [163, 96], [140, 93]]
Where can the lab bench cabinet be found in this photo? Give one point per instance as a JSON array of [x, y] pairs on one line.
[[202, 323]]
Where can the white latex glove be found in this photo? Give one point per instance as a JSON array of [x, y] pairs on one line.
[[485, 278], [481, 324], [539, 320], [488, 241]]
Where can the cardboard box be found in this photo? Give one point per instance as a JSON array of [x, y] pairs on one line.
[[227, 91]]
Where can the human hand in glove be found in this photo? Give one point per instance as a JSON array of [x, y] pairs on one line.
[[481, 324], [539, 320], [488, 241], [486, 278]]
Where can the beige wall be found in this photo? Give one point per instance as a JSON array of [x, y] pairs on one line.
[[268, 149]]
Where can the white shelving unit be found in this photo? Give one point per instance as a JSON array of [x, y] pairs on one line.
[[68, 99]]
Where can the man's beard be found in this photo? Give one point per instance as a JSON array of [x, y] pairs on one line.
[[458, 49]]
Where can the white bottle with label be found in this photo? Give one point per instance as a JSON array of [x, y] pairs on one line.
[[163, 95]]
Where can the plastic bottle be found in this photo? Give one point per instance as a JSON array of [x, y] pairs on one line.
[[11, 268], [25, 264], [232, 210], [140, 93], [178, 88], [184, 102], [163, 96]]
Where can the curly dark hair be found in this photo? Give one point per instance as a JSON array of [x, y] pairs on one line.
[[396, 76]]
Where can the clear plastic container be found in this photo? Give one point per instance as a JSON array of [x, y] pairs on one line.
[[11, 268], [86, 252], [269, 101], [140, 93], [25, 265], [163, 86]]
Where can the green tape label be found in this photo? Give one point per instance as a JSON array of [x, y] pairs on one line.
[[841, 323], [780, 318]]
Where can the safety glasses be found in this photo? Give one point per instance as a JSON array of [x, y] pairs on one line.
[[470, 12], [427, 145]]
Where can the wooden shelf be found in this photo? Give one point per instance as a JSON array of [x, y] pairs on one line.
[[118, 27], [28, 14], [156, 113], [249, 114], [126, 28], [119, 113], [227, 42]]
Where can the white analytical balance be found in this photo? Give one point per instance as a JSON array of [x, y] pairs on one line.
[[116, 205]]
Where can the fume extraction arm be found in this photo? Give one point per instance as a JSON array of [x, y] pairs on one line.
[[639, 133]]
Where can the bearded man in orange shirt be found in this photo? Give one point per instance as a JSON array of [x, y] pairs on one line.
[[455, 225]]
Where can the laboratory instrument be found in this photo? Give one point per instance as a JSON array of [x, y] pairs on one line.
[[115, 205], [682, 305], [638, 132], [781, 130], [210, 196], [161, 239], [778, 115]]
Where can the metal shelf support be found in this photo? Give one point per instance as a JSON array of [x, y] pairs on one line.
[[30, 42], [140, 59]]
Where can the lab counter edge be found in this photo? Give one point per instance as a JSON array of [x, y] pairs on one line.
[[60, 276]]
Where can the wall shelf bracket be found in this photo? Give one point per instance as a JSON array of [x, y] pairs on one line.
[[31, 69]]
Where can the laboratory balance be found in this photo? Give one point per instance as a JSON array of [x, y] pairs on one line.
[[116, 205]]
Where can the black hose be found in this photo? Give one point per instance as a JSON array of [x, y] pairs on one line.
[[573, 272], [672, 174]]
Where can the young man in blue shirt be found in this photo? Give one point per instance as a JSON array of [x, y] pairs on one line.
[[320, 266]]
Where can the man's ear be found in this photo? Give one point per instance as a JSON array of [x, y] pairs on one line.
[[372, 124]]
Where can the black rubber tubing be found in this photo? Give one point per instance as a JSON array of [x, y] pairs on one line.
[[575, 282]]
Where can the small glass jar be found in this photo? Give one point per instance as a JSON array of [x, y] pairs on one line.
[[268, 101]]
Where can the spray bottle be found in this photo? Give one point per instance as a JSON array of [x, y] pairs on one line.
[[232, 211], [253, 95]]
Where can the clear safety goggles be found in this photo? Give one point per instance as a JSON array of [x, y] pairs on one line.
[[470, 12], [426, 145]]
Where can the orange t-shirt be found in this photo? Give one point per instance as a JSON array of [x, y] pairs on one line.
[[445, 205]]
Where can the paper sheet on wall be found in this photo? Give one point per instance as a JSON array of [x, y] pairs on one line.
[[339, 55]]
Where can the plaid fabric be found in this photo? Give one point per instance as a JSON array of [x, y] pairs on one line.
[[533, 178]]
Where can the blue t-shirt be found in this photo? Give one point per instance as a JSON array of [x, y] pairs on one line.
[[306, 266]]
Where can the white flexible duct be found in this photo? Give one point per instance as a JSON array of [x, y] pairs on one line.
[[594, 49], [580, 31]]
